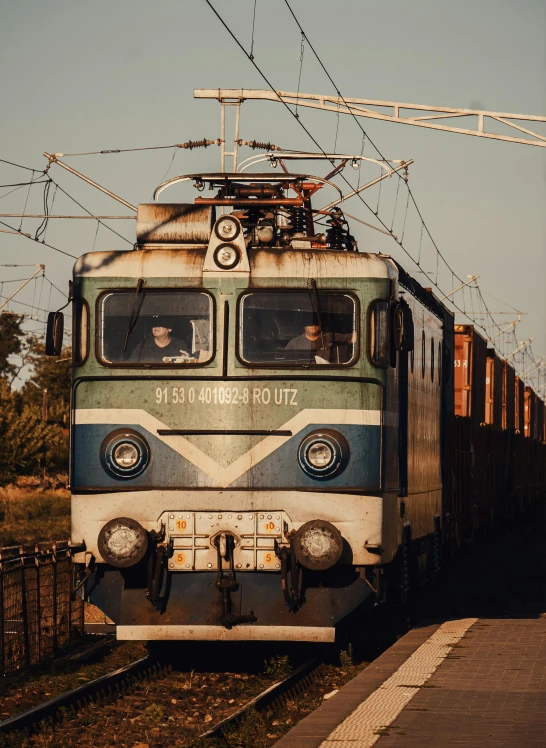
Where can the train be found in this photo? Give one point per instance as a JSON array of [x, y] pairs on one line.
[[272, 429]]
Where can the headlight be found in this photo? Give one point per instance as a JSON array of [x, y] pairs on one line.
[[125, 454], [227, 256], [227, 229], [323, 454], [123, 542], [318, 545], [320, 454]]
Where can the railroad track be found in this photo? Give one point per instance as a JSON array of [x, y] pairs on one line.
[[272, 697], [104, 688], [115, 684]]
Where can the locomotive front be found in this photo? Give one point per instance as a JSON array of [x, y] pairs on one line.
[[231, 431]]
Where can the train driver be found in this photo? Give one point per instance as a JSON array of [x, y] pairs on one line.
[[315, 343], [162, 345]]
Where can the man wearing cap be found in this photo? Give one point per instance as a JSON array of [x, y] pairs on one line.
[[162, 345]]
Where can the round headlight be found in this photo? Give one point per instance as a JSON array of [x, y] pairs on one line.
[[318, 545], [323, 454], [125, 454], [320, 454], [226, 256], [122, 542], [227, 229]]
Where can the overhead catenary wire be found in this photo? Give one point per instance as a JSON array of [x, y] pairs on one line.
[[317, 144], [302, 52], [43, 244], [19, 166], [15, 189], [90, 213], [13, 280], [40, 269], [424, 226], [365, 135], [21, 184], [55, 287], [91, 216], [170, 166], [42, 228], [188, 145], [372, 143], [26, 201], [24, 303], [253, 28], [48, 181], [369, 225]]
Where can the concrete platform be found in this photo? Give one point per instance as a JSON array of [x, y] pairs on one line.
[[472, 683]]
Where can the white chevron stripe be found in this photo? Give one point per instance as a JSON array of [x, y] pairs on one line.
[[224, 476]]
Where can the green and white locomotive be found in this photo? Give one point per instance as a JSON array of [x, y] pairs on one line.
[[256, 419]]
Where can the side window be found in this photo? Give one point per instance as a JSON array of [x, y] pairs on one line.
[[423, 354], [80, 322], [379, 333], [432, 359]]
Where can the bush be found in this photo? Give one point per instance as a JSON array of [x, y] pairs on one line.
[[33, 517], [28, 444]]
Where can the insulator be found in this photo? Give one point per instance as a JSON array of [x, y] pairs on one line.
[[309, 222], [298, 220], [191, 144], [262, 146], [336, 233]]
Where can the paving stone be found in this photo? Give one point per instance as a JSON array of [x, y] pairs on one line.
[[466, 683]]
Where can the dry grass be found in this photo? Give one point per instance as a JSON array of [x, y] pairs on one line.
[[30, 515]]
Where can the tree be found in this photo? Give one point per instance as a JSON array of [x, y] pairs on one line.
[[50, 374], [27, 442], [11, 343], [33, 439]]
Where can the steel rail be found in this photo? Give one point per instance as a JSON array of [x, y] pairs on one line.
[[115, 683], [293, 683], [109, 685]]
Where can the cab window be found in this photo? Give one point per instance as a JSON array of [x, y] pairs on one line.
[[298, 328], [155, 328]]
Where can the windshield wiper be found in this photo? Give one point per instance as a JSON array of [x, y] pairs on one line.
[[316, 306], [130, 326]]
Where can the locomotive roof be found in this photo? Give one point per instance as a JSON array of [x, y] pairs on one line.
[[264, 263]]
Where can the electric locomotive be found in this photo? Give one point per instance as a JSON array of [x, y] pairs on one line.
[[256, 419]]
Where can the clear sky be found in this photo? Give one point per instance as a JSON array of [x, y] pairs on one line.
[[78, 76]]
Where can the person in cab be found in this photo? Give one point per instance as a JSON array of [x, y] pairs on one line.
[[321, 347], [162, 346]]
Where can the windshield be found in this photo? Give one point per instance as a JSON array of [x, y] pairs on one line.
[[156, 328], [298, 328]]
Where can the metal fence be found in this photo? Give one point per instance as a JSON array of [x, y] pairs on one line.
[[38, 616]]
